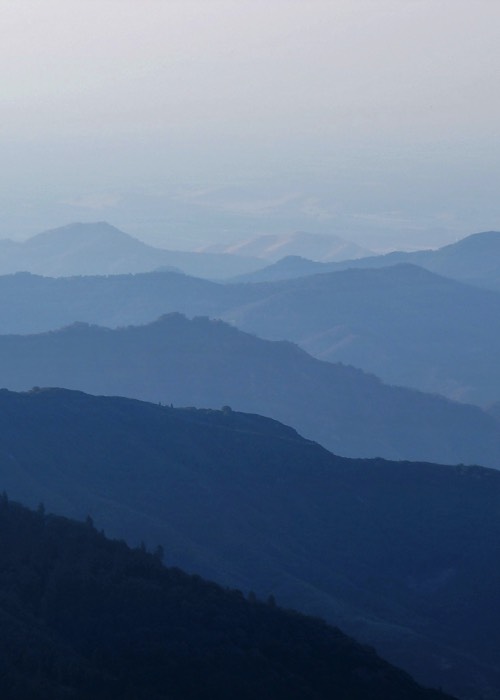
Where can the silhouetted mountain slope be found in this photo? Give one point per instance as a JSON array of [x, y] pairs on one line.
[[404, 324], [474, 259], [210, 364], [84, 617], [404, 555], [100, 249]]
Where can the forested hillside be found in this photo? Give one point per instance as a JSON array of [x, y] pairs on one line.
[[86, 618]]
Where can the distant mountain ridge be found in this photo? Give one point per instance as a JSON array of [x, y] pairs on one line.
[[321, 247], [210, 364], [289, 267], [474, 260], [99, 248], [401, 555]]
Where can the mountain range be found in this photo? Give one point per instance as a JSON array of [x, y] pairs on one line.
[[402, 555], [408, 326], [101, 249], [210, 364], [473, 260]]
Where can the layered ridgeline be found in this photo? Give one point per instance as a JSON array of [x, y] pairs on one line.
[[99, 248], [402, 555], [102, 249], [474, 259], [404, 324], [210, 364], [88, 618]]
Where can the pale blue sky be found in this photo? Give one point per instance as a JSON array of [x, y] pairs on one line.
[[189, 122]]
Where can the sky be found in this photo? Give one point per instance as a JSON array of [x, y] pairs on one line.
[[198, 121]]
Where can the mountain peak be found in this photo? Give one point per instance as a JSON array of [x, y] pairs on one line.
[[88, 232]]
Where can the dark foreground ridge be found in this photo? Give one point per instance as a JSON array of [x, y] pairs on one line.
[[403, 556], [87, 618]]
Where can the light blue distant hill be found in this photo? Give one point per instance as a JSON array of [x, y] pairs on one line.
[[101, 249]]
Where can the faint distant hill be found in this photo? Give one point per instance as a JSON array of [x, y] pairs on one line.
[[210, 364], [474, 259], [406, 325], [325, 247], [101, 249], [402, 555]]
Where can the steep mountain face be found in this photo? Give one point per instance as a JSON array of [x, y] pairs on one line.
[[474, 260], [273, 247], [87, 618], [210, 364], [101, 249], [403, 555], [404, 324]]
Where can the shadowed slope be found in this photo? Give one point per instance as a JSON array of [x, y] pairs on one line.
[[84, 617]]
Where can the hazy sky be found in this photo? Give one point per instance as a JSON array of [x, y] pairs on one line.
[[194, 121]]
